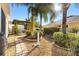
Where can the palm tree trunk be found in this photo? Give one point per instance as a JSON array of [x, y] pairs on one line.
[[65, 8], [28, 14], [41, 25], [64, 22], [40, 22]]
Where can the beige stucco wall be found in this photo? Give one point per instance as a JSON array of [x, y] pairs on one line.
[[5, 8]]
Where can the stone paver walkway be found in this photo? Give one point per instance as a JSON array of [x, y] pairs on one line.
[[15, 46], [20, 46]]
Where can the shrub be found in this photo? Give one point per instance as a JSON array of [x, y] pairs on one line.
[[72, 40], [69, 40], [34, 34], [28, 33], [77, 48], [58, 38], [49, 31]]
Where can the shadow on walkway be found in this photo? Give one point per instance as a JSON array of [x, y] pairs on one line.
[[32, 49], [14, 43], [48, 38]]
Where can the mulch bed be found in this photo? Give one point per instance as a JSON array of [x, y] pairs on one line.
[[29, 38]]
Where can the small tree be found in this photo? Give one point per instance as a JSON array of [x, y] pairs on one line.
[[15, 28]]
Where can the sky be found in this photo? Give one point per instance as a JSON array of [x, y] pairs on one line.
[[21, 13]]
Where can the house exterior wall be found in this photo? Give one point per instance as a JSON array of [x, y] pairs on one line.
[[20, 28], [3, 27], [5, 16]]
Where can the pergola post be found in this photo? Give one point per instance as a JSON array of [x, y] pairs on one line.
[[7, 26], [0, 17]]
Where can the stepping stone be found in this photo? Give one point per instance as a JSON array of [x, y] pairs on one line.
[[18, 49], [21, 49], [24, 49]]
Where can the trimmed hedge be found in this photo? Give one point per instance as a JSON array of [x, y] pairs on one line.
[[69, 40], [58, 38], [72, 40], [49, 31]]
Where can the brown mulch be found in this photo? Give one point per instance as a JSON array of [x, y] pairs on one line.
[[60, 51]]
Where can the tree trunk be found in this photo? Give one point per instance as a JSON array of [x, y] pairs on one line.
[[65, 8], [40, 22], [28, 14], [64, 22]]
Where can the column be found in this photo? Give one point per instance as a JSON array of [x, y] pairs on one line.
[[7, 25], [0, 18]]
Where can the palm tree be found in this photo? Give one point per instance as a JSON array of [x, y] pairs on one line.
[[41, 9]]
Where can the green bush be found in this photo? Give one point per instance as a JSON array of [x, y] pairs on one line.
[[77, 48], [69, 40], [34, 33], [28, 33], [15, 28], [49, 31], [58, 38], [72, 40]]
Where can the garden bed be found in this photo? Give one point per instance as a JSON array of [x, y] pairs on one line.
[[60, 51], [67, 41], [30, 38]]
